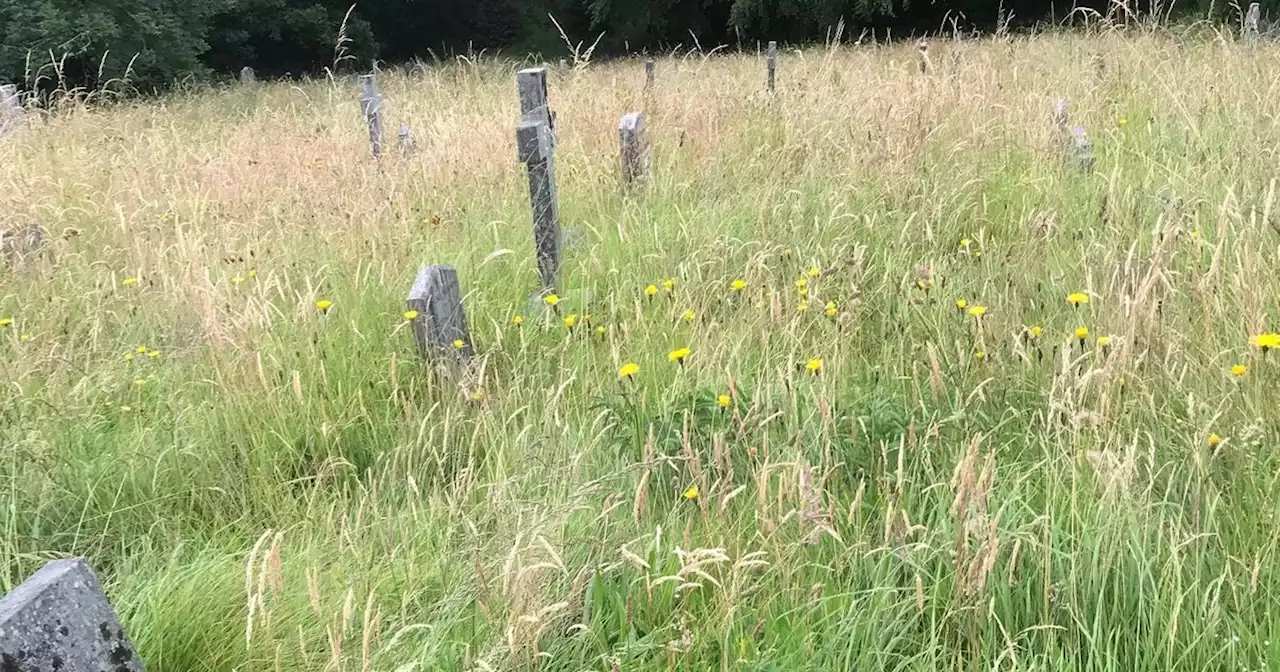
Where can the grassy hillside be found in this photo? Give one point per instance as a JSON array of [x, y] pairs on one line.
[[863, 477]]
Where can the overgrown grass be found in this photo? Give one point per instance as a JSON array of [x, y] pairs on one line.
[[284, 488]]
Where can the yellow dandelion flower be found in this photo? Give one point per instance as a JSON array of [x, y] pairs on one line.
[[1122, 122], [961, 304], [1104, 341], [738, 285], [977, 311], [1213, 440], [600, 330], [814, 366], [830, 310], [1266, 341], [517, 320], [687, 316], [669, 284], [410, 315], [628, 370], [691, 492], [570, 320], [6, 321], [1239, 370], [324, 305], [980, 355], [478, 395], [724, 400], [964, 243], [459, 344], [129, 282], [678, 355], [141, 349], [802, 282], [1082, 333], [802, 306], [650, 290], [814, 271], [1036, 331], [237, 279], [551, 300], [128, 356], [1077, 298], [26, 338], [252, 273], [804, 292]]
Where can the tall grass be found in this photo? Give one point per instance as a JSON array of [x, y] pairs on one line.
[[283, 488]]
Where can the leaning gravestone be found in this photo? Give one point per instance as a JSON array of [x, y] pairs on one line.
[[439, 323], [59, 619], [633, 139], [371, 108], [247, 75]]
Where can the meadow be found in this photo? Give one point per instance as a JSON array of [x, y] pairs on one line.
[[948, 402]]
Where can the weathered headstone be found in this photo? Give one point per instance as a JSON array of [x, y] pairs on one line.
[[1080, 152], [11, 111], [440, 326], [247, 76], [649, 67], [772, 63], [533, 145], [633, 139], [532, 86], [1251, 22], [59, 619], [404, 140], [371, 107], [923, 48]]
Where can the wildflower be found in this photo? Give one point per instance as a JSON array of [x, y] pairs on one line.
[[570, 320], [802, 306], [814, 366], [129, 282], [1036, 331], [478, 395], [252, 273], [517, 320], [650, 291], [551, 300], [830, 310], [1267, 341], [1077, 298], [128, 356], [1213, 440], [687, 316], [139, 382], [1239, 370], [600, 330], [410, 315], [814, 271], [237, 279], [141, 349], [961, 304], [976, 312], [1104, 341], [804, 292], [724, 401], [802, 283], [324, 305], [628, 370], [459, 344], [6, 321], [678, 355], [738, 285], [26, 338], [980, 355], [964, 243], [1081, 334], [691, 492], [153, 354], [669, 284], [1122, 122]]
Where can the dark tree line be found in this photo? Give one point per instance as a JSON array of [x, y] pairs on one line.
[[154, 43]]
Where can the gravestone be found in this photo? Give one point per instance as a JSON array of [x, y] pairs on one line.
[[633, 138], [371, 107], [532, 86], [404, 140], [247, 76], [1251, 22], [1080, 153], [11, 111], [772, 63], [59, 619], [440, 321], [534, 148], [649, 67]]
